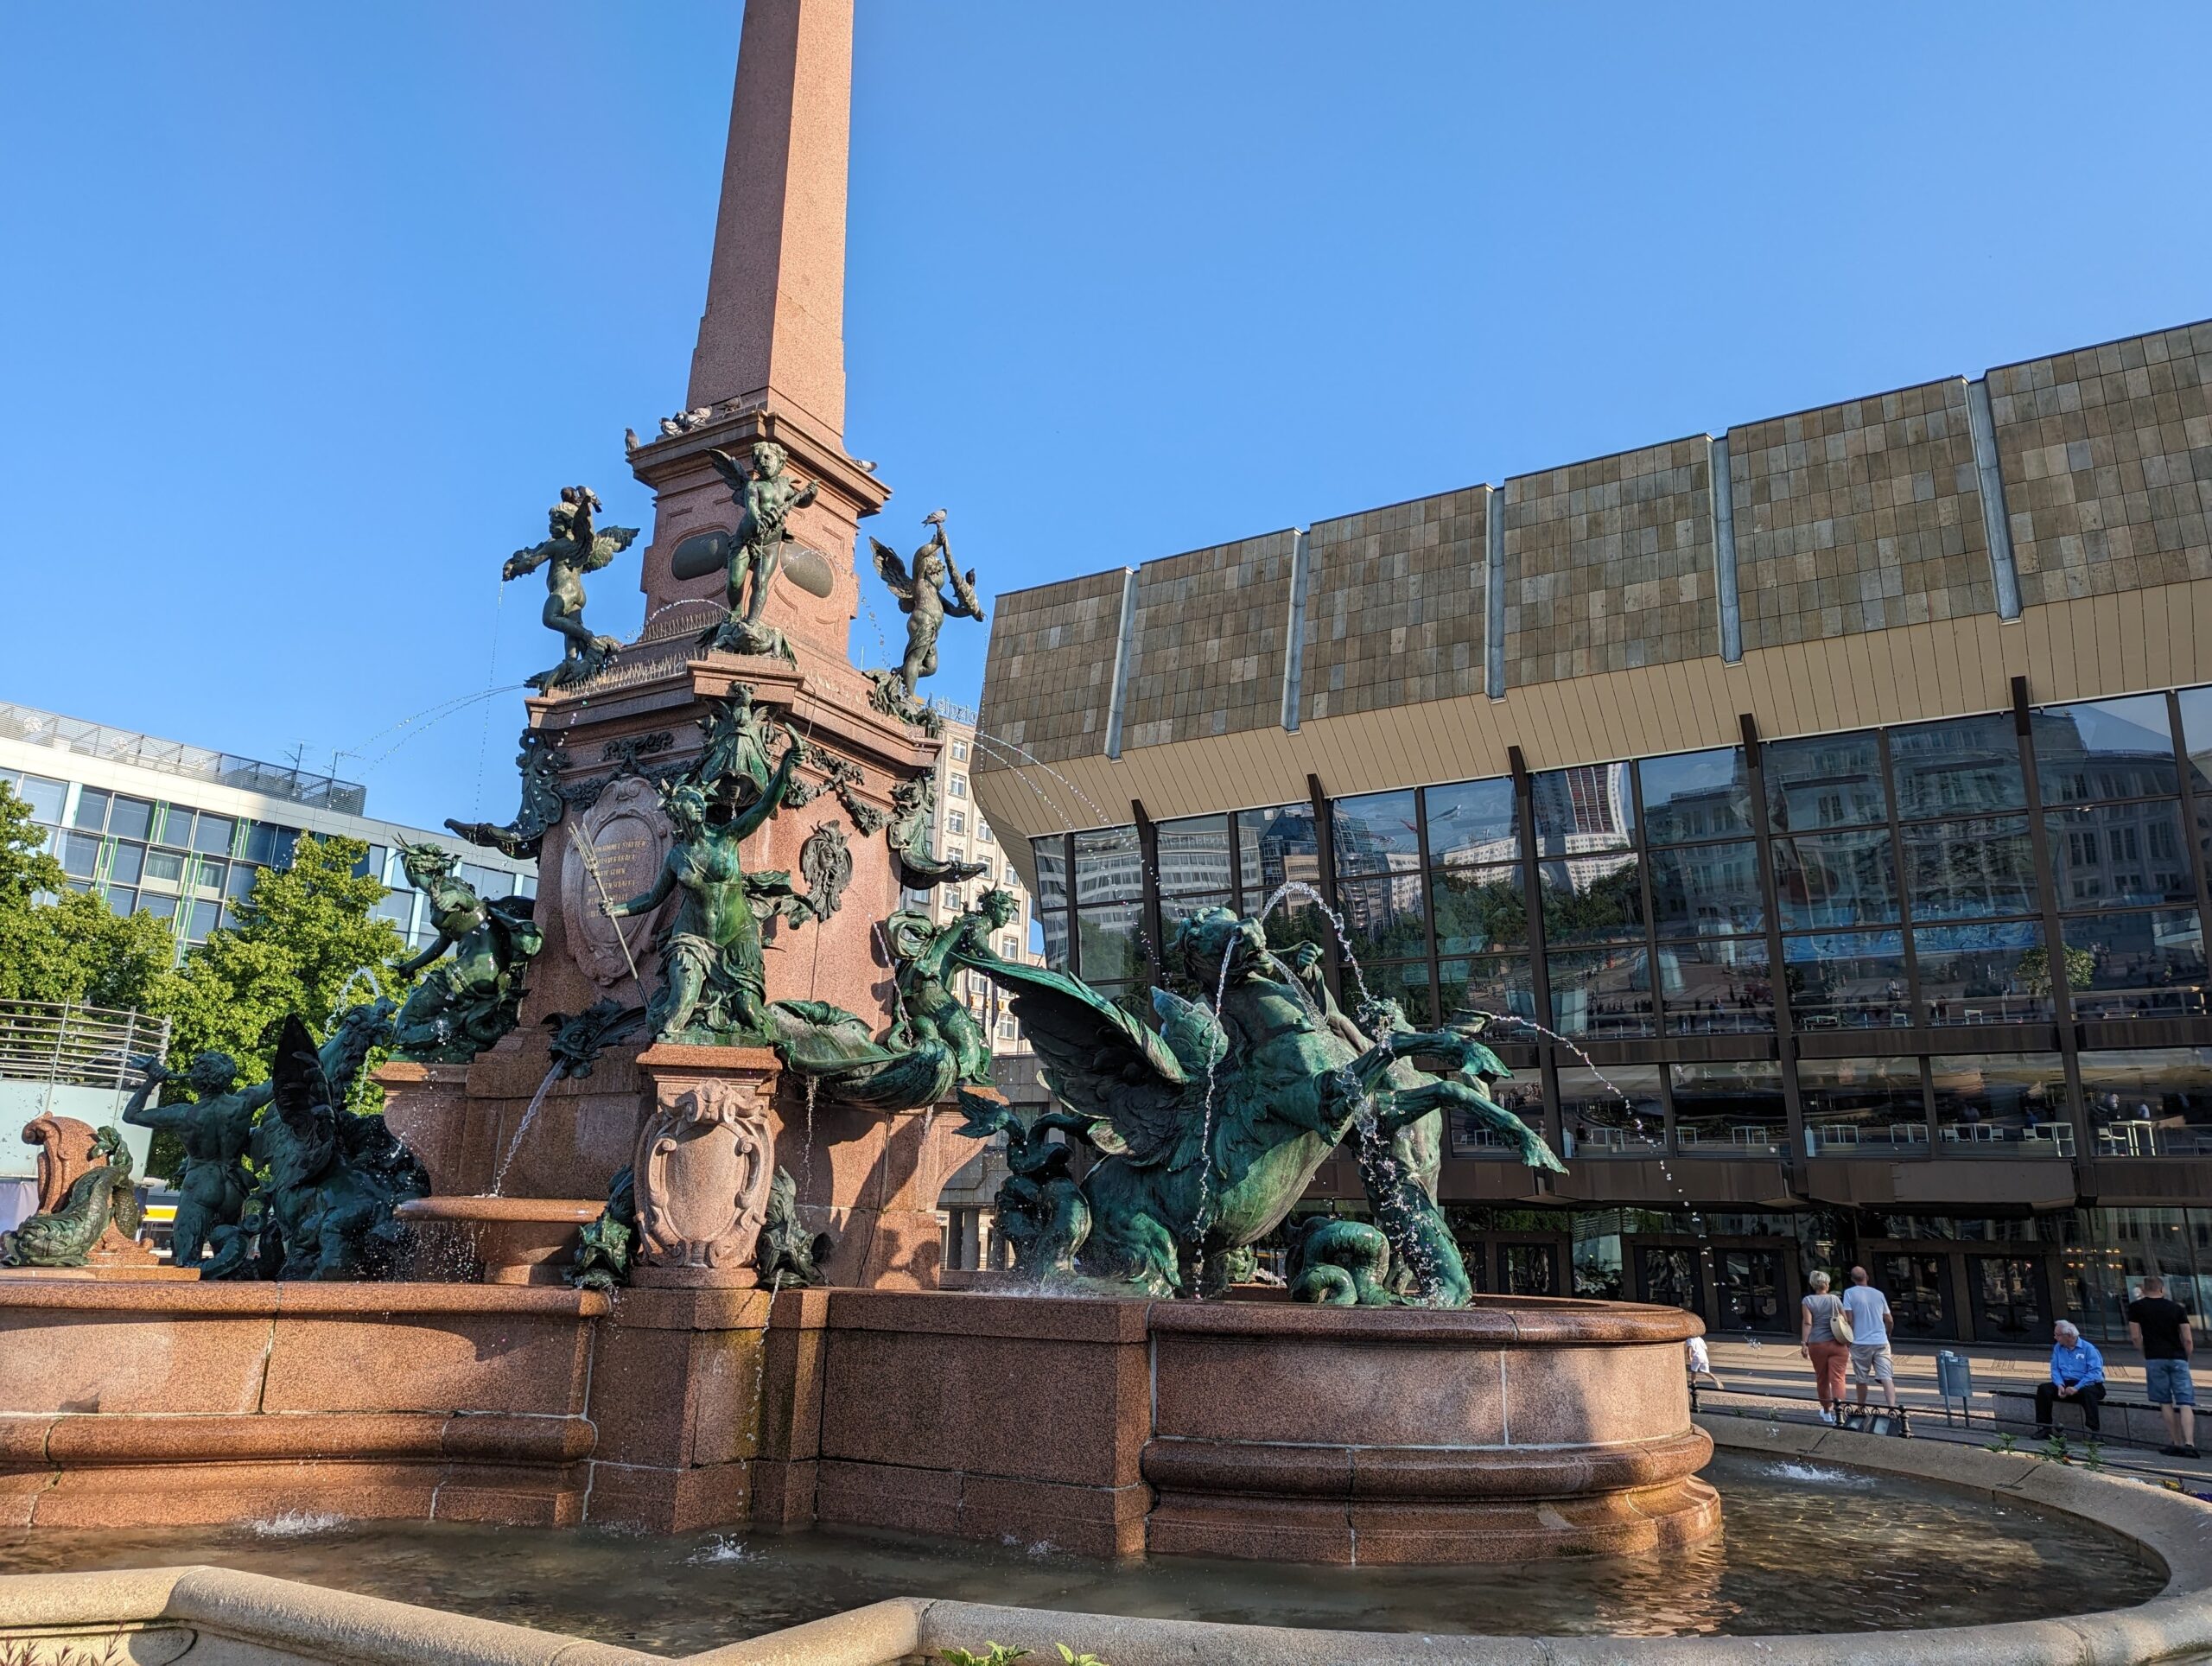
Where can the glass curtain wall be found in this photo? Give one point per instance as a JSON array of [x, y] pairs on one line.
[[1905, 878]]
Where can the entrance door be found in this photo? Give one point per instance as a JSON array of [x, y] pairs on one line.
[[2010, 1301], [1529, 1269], [1669, 1276], [1914, 1285], [1750, 1290]]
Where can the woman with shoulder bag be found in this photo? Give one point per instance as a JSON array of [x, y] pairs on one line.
[[1825, 1339]]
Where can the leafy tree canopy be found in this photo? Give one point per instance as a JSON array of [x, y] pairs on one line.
[[57, 944]]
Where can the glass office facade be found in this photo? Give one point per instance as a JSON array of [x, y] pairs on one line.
[[1937, 940], [189, 866]]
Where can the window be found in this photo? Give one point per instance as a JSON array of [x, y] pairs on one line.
[[956, 821], [2105, 749], [164, 868], [44, 796], [1275, 847], [122, 901], [982, 831], [1109, 865], [1113, 943], [1962, 765], [2149, 964], [125, 863], [1835, 879], [2149, 1101], [959, 752], [1376, 834], [1615, 1113], [1479, 909], [1847, 980], [1729, 1109], [1588, 807], [958, 787], [1473, 821], [1716, 986], [2001, 1105], [1009, 947], [1383, 918], [80, 855], [1824, 781], [131, 818], [92, 810], [206, 916], [211, 838], [372, 863], [1593, 899], [1707, 890], [1194, 855], [1970, 869], [1050, 855], [1853, 1105], [2104, 853], [1991, 974], [1490, 986], [1695, 795]]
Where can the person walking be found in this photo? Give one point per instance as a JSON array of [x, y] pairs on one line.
[[1818, 1342], [2159, 1327], [1868, 1312], [2077, 1373]]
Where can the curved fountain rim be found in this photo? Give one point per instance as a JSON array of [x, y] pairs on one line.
[[1547, 1321], [2167, 1528]]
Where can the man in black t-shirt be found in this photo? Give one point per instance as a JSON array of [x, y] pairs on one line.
[[2160, 1327]]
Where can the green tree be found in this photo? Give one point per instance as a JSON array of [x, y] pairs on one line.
[[58, 944], [304, 934]]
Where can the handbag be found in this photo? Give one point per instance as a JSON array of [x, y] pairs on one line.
[[1839, 1323]]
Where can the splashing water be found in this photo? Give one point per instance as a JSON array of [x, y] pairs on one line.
[[537, 1099], [346, 990], [1024, 757]]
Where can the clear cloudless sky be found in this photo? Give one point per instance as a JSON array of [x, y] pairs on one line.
[[306, 310]]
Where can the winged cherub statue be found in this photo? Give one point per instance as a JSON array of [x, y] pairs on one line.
[[921, 597], [573, 547], [768, 493]]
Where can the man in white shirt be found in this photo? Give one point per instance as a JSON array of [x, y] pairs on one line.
[[1869, 1310]]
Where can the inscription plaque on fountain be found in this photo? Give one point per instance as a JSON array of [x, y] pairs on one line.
[[625, 838]]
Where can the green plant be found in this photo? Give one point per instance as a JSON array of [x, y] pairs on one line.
[[2095, 1457], [2057, 1450], [2005, 1443], [1069, 1657], [994, 1654]]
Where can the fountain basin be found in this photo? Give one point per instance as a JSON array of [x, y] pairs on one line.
[[520, 1240], [1514, 1429]]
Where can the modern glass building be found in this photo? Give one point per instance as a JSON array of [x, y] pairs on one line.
[[1820, 814], [181, 831]]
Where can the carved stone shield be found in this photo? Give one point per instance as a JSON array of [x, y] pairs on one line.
[[626, 838], [704, 1166]]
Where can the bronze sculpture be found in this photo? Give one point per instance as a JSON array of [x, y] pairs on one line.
[[572, 548], [216, 1127], [928, 955], [714, 984], [767, 495], [921, 597], [469, 1002], [540, 762]]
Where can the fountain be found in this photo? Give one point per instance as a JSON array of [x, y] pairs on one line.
[[659, 1250]]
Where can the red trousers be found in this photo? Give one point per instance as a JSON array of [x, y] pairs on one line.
[[1828, 1360]]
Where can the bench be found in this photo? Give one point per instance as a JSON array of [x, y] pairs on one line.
[[2137, 1422]]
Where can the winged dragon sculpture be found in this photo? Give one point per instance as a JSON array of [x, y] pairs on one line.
[[1207, 1130]]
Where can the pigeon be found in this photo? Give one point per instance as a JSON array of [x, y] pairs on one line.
[[864, 466], [695, 418], [670, 425], [629, 439]]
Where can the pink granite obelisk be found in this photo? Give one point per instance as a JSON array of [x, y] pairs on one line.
[[770, 361]]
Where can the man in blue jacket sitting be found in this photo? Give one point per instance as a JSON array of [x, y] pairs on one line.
[[2077, 1373]]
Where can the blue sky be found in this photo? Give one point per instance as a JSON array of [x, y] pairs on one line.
[[307, 310]]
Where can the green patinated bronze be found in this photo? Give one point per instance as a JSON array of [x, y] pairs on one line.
[[767, 494], [1209, 1128], [922, 597], [913, 864], [789, 1256], [466, 1003], [606, 1246], [216, 1130], [1344, 1264], [330, 1178], [67, 1236], [572, 548], [714, 985], [928, 1009], [539, 762]]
